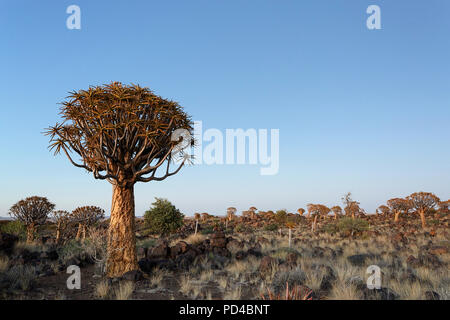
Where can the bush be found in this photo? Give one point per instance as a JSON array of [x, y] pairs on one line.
[[207, 230], [281, 217], [271, 227], [14, 227], [19, 277], [347, 225], [163, 218], [240, 228]]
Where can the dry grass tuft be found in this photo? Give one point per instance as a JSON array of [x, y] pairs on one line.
[[4, 262], [195, 239], [344, 292], [233, 294], [125, 290], [185, 284], [102, 289]]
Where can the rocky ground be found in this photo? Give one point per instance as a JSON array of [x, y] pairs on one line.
[[246, 258]]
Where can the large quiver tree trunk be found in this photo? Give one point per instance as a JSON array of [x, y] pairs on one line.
[[121, 235]]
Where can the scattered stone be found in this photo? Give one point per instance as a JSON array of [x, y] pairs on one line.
[[266, 264], [160, 251], [431, 295], [438, 250], [7, 242], [134, 275], [359, 260]]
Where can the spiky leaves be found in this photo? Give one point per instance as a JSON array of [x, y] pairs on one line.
[[121, 133]]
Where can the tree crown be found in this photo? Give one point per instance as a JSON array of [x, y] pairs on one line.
[[121, 133], [87, 215], [423, 200], [32, 210]]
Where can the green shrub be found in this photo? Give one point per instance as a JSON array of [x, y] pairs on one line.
[[163, 218], [71, 249], [207, 230], [14, 227], [351, 226], [281, 217], [271, 227], [240, 228]]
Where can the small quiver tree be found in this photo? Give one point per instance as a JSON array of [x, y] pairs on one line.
[[337, 211], [231, 213], [397, 206], [384, 210], [422, 202], [444, 207], [290, 225], [62, 220], [86, 217], [32, 212]]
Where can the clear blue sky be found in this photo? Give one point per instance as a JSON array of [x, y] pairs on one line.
[[358, 110]]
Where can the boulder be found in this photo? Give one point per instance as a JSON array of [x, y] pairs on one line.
[[291, 258], [133, 275], [234, 245], [358, 260], [147, 265], [379, 294], [218, 241], [431, 295], [160, 251], [266, 264], [7, 242], [180, 248], [438, 250]]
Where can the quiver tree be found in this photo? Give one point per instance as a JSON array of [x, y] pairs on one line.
[[32, 212], [122, 134], [86, 217], [196, 218], [397, 206], [205, 216], [301, 211], [444, 206], [290, 225], [62, 220], [352, 207], [231, 213], [384, 210], [318, 210], [337, 211], [422, 202], [252, 212]]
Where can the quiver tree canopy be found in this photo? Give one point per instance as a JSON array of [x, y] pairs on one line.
[[32, 211], [398, 205], [385, 210], [122, 134], [423, 202], [87, 215]]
